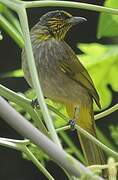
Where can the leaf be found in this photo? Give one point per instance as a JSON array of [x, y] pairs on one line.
[[108, 23], [2, 8], [15, 73], [102, 64]]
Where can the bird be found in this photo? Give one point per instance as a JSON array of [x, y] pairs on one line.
[[63, 78]]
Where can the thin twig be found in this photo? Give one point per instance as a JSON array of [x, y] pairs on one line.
[[11, 31], [97, 142], [63, 128], [33, 71], [8, 94], [23, 101], [27, 130], [106, 112], [105, 166], [21, 145], [37, 163], [92, 138], [79, 5]]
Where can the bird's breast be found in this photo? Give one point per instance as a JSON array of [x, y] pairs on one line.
[[55, 84], [48, 59]]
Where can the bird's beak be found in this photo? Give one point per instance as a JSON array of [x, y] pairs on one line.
[[77, 20]]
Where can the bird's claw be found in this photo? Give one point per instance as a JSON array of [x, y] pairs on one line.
[[72, 124], [35, 103]]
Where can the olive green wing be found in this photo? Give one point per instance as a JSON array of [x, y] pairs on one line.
[[73, 68]]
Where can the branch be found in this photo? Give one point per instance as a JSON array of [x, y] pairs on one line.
[[5, 24], [92, 138], [33, 72], [25, 104], [25, 128], [19, 8], [97, 142], [106, 112], [21, 145], [94, 167], [70, 4], [96, 117], [111, 166], [37, 163]]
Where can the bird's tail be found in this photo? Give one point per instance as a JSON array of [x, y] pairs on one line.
[[93, 154]]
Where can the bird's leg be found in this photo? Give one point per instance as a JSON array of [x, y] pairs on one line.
[[72, 122]]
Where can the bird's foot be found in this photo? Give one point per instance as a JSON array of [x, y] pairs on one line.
[[72, 124], [35, 103]]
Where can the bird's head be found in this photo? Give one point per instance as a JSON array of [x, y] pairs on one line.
[[59, 22]]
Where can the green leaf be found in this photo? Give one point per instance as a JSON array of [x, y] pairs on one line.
[[108, 23], [15, 73], [2, 8], [102, 64], [11, 30]]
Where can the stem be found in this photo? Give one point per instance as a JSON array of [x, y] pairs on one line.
[[106, 112], [92, 138], [14, 97], [23, 142], [33, 71], [27, 130], [63, 128], [37, 163], [98, 143], [56, 111], [13, 143], [8, 14], [11, 31], [20, 145], [96, 117], [94, 167], [102, 138], [25, 104], [15, 4], [9, 144], [112, 169], [70, 4]]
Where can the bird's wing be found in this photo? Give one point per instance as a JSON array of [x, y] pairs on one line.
[[72, 67]]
